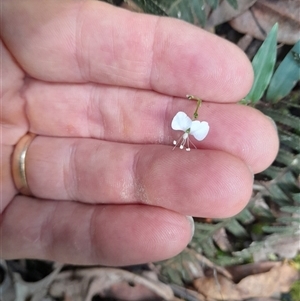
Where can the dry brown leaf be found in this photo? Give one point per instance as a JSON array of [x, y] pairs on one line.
[[220, 288], [259, 19], [278, 279], [126, 291], [107, 282], [186, 294], [225, 12], [244, 42], [207, 263], [130, 5], [262, 299], [239, 272], [221, 239]]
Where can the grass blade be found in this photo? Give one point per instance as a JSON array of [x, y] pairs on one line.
[[263, 65], [285, 77]]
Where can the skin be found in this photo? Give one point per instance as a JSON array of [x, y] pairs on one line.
[[99, 86]]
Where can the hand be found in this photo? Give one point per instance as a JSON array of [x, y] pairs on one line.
[[99, 86]]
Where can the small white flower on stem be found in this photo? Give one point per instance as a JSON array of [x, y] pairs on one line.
[[196, 128]]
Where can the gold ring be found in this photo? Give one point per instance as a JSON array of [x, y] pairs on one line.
[[18, 163]]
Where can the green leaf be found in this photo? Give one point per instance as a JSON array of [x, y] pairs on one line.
[[263, 66], [204, 227], [228, 261], [289, 139], [233, 3], [285, 157], [260, 211], [288, 219], [290, 209], [192, 11], [150, 7], [296, 197], [236, 229], [209, 248], [285, 77], [278, 195], [283, 118], [278, 229], [288, 181], [245, 216], [272, 171]]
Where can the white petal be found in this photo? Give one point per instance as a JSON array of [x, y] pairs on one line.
[[199, 129], [181, 121]]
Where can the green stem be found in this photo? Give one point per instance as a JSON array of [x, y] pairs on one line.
[[199, 102]]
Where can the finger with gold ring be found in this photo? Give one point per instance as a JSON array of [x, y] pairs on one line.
[[19, 164]]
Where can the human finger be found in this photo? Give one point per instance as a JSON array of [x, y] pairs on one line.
[[199, 183], [80, 41], [144, 117], [7, 187], [88, 234]]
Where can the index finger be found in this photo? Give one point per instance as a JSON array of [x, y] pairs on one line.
[[74, 41]]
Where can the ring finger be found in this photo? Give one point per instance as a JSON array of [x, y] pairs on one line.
[[200, 183]]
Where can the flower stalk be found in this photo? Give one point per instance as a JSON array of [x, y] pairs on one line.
[[199, 103]]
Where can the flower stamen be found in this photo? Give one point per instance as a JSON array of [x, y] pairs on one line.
[[184, 142]]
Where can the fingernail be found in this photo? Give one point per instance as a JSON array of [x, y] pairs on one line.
[[192, 223], [273, 123]]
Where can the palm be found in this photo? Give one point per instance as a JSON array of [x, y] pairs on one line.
[[101, 95]]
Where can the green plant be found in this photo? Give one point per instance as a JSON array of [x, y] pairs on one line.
[[295, 291], [192, 11], [273, 212]]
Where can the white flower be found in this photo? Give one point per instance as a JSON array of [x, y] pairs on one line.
[[196, 128]]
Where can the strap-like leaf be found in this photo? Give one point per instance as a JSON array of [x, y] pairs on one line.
[[289, 139], [229, 261], [150, 7], [290, 209], [236, 228], [279, 196], [263, 65], [288, 220], [245, 216], [272, 171], [285, 157], [278, 229], [285, 77], [283, 118], [296, 197]]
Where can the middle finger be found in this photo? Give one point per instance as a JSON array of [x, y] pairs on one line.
[[137, 116]]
